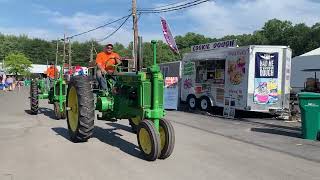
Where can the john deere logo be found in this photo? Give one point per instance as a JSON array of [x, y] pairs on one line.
[[312, 105]]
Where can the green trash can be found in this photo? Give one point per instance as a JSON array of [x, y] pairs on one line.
[[309, 104]]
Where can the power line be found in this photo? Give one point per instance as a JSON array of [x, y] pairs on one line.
[[104, 25], [111, 34], [175, 8], [163, 6]]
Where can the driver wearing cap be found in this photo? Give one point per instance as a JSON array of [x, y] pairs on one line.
[[105, 61]]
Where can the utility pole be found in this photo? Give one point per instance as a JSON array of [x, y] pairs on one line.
[[69, 54], [57, 54], [91, 52], [135, 34]]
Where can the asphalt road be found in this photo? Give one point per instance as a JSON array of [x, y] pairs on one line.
[[37, 148]]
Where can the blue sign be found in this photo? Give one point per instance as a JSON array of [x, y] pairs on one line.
[[171, 93]]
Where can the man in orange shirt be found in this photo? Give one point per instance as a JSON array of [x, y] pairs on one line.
[[105, 61], [51, 71]]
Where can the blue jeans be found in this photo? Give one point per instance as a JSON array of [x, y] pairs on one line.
[[101, 80]]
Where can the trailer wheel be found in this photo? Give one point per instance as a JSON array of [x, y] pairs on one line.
[[149, 140], [80, 116], [192, 102], [134, 122], [205, 104], [34, 97], [167, 138]]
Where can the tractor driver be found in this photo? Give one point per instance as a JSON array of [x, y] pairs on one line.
[[51, 71], [106, 61]]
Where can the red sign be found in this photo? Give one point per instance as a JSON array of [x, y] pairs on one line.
[[168, 36]]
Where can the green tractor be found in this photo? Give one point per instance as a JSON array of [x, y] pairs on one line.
[[137, 96], [55, 92]]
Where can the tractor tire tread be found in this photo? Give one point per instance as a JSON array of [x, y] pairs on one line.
[[168, 148], [86, 108]]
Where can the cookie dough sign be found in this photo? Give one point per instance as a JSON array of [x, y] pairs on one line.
[[266, 65]]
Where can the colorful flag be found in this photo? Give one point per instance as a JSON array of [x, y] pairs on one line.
[[168, 36]]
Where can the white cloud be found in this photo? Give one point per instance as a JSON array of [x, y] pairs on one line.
[[244, 16]]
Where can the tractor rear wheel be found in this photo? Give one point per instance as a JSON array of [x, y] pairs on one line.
[[34, 97], [80, 115], [149, 140], [167, 138]]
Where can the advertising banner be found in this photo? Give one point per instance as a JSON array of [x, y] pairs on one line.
[[266, 78], [171, 93], [168, 36], [266, 65], [214, 45]]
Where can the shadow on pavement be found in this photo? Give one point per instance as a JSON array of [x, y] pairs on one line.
[[62, 132], [120, 126], [282, 132], [109, 137], [47, 112], [243, 116], [112, 138], [28, 111]]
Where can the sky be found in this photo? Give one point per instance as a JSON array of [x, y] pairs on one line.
[[49, 19]]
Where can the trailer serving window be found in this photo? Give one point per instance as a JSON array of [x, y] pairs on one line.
[[210, 71]]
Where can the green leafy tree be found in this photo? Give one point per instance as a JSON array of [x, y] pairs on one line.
[[18, 64]]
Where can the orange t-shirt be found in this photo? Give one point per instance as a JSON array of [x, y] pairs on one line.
[[51, 71], [107, 60]]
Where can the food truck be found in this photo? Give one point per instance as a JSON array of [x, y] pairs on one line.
[[250, 78]]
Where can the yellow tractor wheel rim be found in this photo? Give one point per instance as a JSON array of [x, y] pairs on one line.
[[73, 113], [162, 136], [145, 141], [136, 120]]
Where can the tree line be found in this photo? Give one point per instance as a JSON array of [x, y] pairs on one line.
[[300, 37]]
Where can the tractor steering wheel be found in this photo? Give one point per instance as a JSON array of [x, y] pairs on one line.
[[115, 66]]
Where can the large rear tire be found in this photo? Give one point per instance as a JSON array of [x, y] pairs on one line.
[[34, 97], [167, 138], [80, 116], [149, 140]]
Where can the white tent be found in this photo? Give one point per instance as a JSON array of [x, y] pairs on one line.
[[37, 68], [301, 68]]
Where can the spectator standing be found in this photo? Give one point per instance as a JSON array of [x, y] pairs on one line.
[[9, 82]]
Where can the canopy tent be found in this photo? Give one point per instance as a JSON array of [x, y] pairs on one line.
[[303, 67]]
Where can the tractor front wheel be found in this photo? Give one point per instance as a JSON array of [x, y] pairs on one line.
[[149, 140], [167, 138], [34, 97], [80, 114], [58, 114], [134, 122]]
